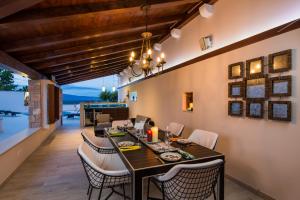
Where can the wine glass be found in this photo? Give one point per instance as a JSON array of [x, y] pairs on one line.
[[168, 136], [125, 125], [138, 134]]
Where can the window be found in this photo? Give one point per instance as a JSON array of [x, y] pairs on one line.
[[14, 115]]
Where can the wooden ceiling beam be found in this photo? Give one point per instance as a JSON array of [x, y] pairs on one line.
[[89, 56], [87, 77], [94, 69], [88, 48], [57, 14], [105, 59], [100, 66], [10, 7], [12, 64], [70, 81], [69, 37], [91, 71]]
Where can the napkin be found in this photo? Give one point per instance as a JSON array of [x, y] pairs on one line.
[[130, 148], [117, 134], [186, 155]]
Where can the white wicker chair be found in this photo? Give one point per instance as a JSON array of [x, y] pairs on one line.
[[99, 144], [175, 128], [204, 138], [188, 181], [103, 171]]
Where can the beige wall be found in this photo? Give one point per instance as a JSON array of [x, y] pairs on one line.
[[15, 156], [260, 153]]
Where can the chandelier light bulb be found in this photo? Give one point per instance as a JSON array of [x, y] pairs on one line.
[[158, 59], [132, 54], [144, 62], [162, 55], [131, 59], [149, 52]]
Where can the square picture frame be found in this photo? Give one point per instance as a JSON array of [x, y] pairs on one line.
[[236, 70], [280, 86], [280, 110], [257, 88], [280, 61], [236, 108], [255, 109], [255, 68], [236, 89]]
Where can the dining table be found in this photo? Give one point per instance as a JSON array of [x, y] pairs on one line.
[[145, 162]]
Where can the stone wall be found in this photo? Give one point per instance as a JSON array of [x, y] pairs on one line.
[[35, 114]]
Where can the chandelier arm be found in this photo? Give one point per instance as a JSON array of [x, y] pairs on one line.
[[141, 55], [134, 73]]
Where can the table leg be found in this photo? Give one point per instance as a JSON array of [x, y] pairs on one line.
[[137, 187], [221, 184]]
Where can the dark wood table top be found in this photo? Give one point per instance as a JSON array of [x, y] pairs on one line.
[[145, 158]]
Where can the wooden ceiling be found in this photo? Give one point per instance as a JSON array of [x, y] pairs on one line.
[[77, 40]]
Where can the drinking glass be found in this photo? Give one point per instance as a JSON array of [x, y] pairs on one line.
[[167, 136], [125, 125], [139, 135]]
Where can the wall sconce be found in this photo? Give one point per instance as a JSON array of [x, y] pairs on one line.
[[176, 33], [206, 10]]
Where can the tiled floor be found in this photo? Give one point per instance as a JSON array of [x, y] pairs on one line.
[[54, 172]]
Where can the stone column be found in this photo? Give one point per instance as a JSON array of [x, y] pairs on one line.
[[35, 114]]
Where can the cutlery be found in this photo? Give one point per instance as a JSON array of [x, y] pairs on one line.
[[158, 158]]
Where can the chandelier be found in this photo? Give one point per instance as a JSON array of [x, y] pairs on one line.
[[145, 62]]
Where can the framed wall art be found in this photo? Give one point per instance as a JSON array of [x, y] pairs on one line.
[[255, 68], [280, 62], [133, 96], [236, 70], [280, 110], [257, 88], [236, 89], [236, 108], [255, 108], [280, 86]]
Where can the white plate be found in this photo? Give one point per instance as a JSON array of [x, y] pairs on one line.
[[170, 156], [183, 141], [125, 144]]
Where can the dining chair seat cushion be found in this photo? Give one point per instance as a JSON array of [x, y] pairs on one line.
[[107, 164], [175, 128], [204, 138], [121, 123], [99, 142], [174, 170]]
